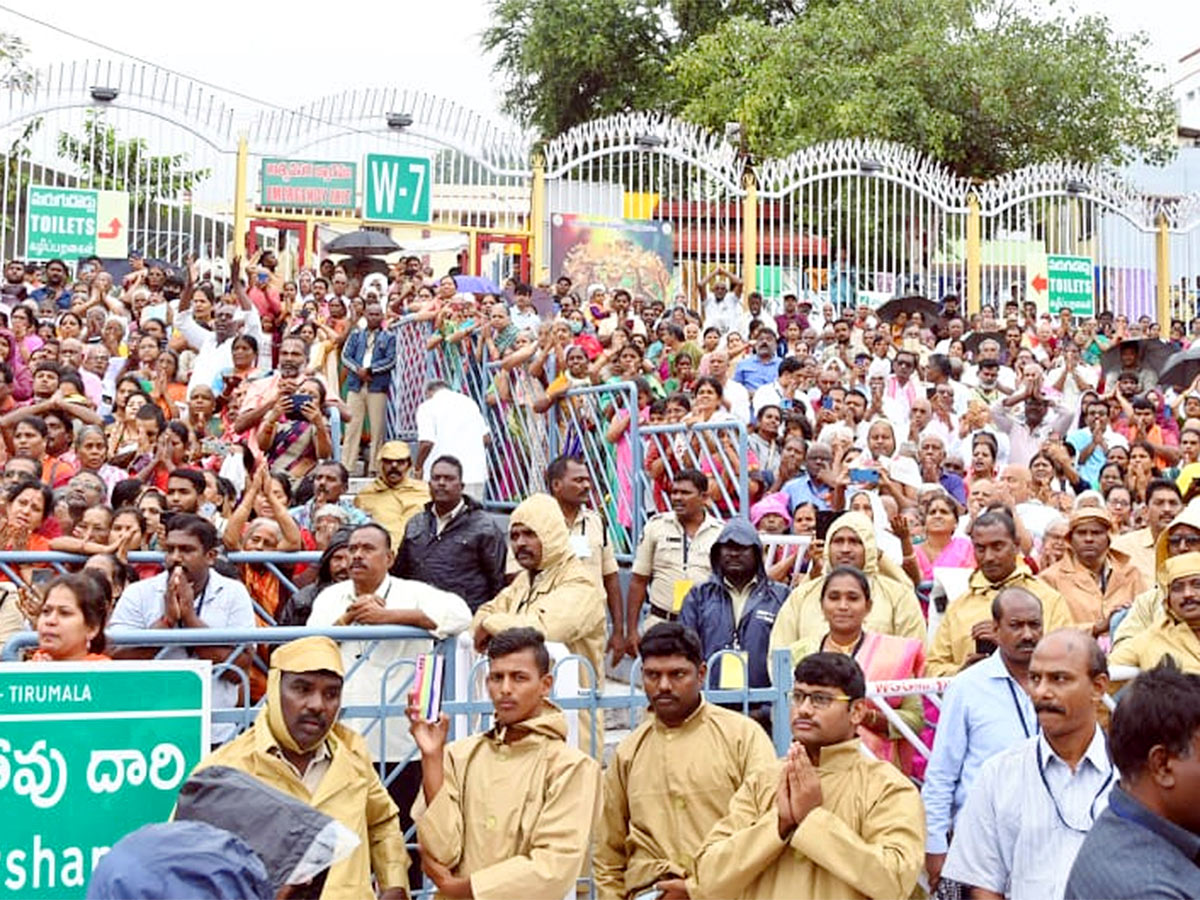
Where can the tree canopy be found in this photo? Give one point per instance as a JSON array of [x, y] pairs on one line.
[[984, 86]]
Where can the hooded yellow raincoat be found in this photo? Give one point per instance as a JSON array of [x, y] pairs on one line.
[[350, 791], [953, 643], [392, 507], [663, 791], [894, 606], [1169, 635], [517, 818], [561, 600], [1148, 607], [866, 839]]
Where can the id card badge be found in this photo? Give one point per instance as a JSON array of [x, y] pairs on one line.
[[580, 545], [678, 593], [733, 670]]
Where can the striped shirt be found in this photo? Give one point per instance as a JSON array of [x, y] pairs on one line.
[[1026, 818]]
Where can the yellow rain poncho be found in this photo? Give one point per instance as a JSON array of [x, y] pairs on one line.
[[516, 817], [560, 600], [350, 790], [894, 606]]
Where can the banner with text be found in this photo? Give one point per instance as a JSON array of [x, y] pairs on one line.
[[88, 753], [309, 184]]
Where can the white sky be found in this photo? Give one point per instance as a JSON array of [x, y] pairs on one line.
[[288, 53]]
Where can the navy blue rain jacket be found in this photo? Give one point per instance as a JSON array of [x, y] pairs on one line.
[[708, 609]]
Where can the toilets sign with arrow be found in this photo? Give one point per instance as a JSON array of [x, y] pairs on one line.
[[71, 223]]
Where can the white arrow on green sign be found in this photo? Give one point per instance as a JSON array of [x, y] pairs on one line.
[[398, 188], [1072, 284]]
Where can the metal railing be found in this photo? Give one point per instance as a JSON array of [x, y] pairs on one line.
[[11, 560], [471, 713]]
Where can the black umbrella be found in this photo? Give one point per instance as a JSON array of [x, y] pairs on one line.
[[929, 310], [1181, 368], [363, 243], [1152, 354], [972, 341]]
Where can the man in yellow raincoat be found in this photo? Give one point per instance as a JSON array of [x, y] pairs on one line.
[[1181, 536], [1176, 630], [553, 593], [296, 746], [1095, 578], [825, 822], [673, 777], [894, 606], [508, 813], [966, 633]]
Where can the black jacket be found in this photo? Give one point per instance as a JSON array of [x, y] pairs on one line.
[[467, 558]]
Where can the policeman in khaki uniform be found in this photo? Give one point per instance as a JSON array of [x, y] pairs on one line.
[[673, 556]]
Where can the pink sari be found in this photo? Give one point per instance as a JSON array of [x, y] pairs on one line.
[[885, 657], [958, 554]]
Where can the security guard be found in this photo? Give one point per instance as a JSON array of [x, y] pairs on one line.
[[673, 555]]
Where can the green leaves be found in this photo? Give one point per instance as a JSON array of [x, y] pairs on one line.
[[977, 84], [984, 86]]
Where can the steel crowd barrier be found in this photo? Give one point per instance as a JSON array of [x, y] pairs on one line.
[[11, 560]]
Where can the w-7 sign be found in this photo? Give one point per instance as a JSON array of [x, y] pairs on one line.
[[398, 188]]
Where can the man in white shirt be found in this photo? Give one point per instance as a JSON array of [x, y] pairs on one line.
[[724, 307], [1031, 806], [1073, 377], [214, 349], [450, 424], [189, 594], [782, 391], [373, 597]]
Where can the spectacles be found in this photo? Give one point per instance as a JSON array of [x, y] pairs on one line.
[[817, 699], [1176, 541]]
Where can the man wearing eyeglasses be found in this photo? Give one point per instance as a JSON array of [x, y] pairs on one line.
[[1031, 806], [1182, 535], [827, 821]]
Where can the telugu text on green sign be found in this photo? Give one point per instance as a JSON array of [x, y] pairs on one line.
[[88, 753], [309, 184], [1071, 284]]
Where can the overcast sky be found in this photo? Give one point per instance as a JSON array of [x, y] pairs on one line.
[[273, 53]]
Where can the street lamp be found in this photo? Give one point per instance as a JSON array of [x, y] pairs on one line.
[[103, 94], [870, 166], [399, 121], [648, 141]]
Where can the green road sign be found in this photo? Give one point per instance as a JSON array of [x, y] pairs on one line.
[[1071, 285], [309, 184], [70, 223], [88, 753], [398, 188]]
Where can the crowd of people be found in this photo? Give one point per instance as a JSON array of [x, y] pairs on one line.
[[1000, 498]]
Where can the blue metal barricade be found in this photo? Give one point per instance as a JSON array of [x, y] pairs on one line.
[[600, 424]]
